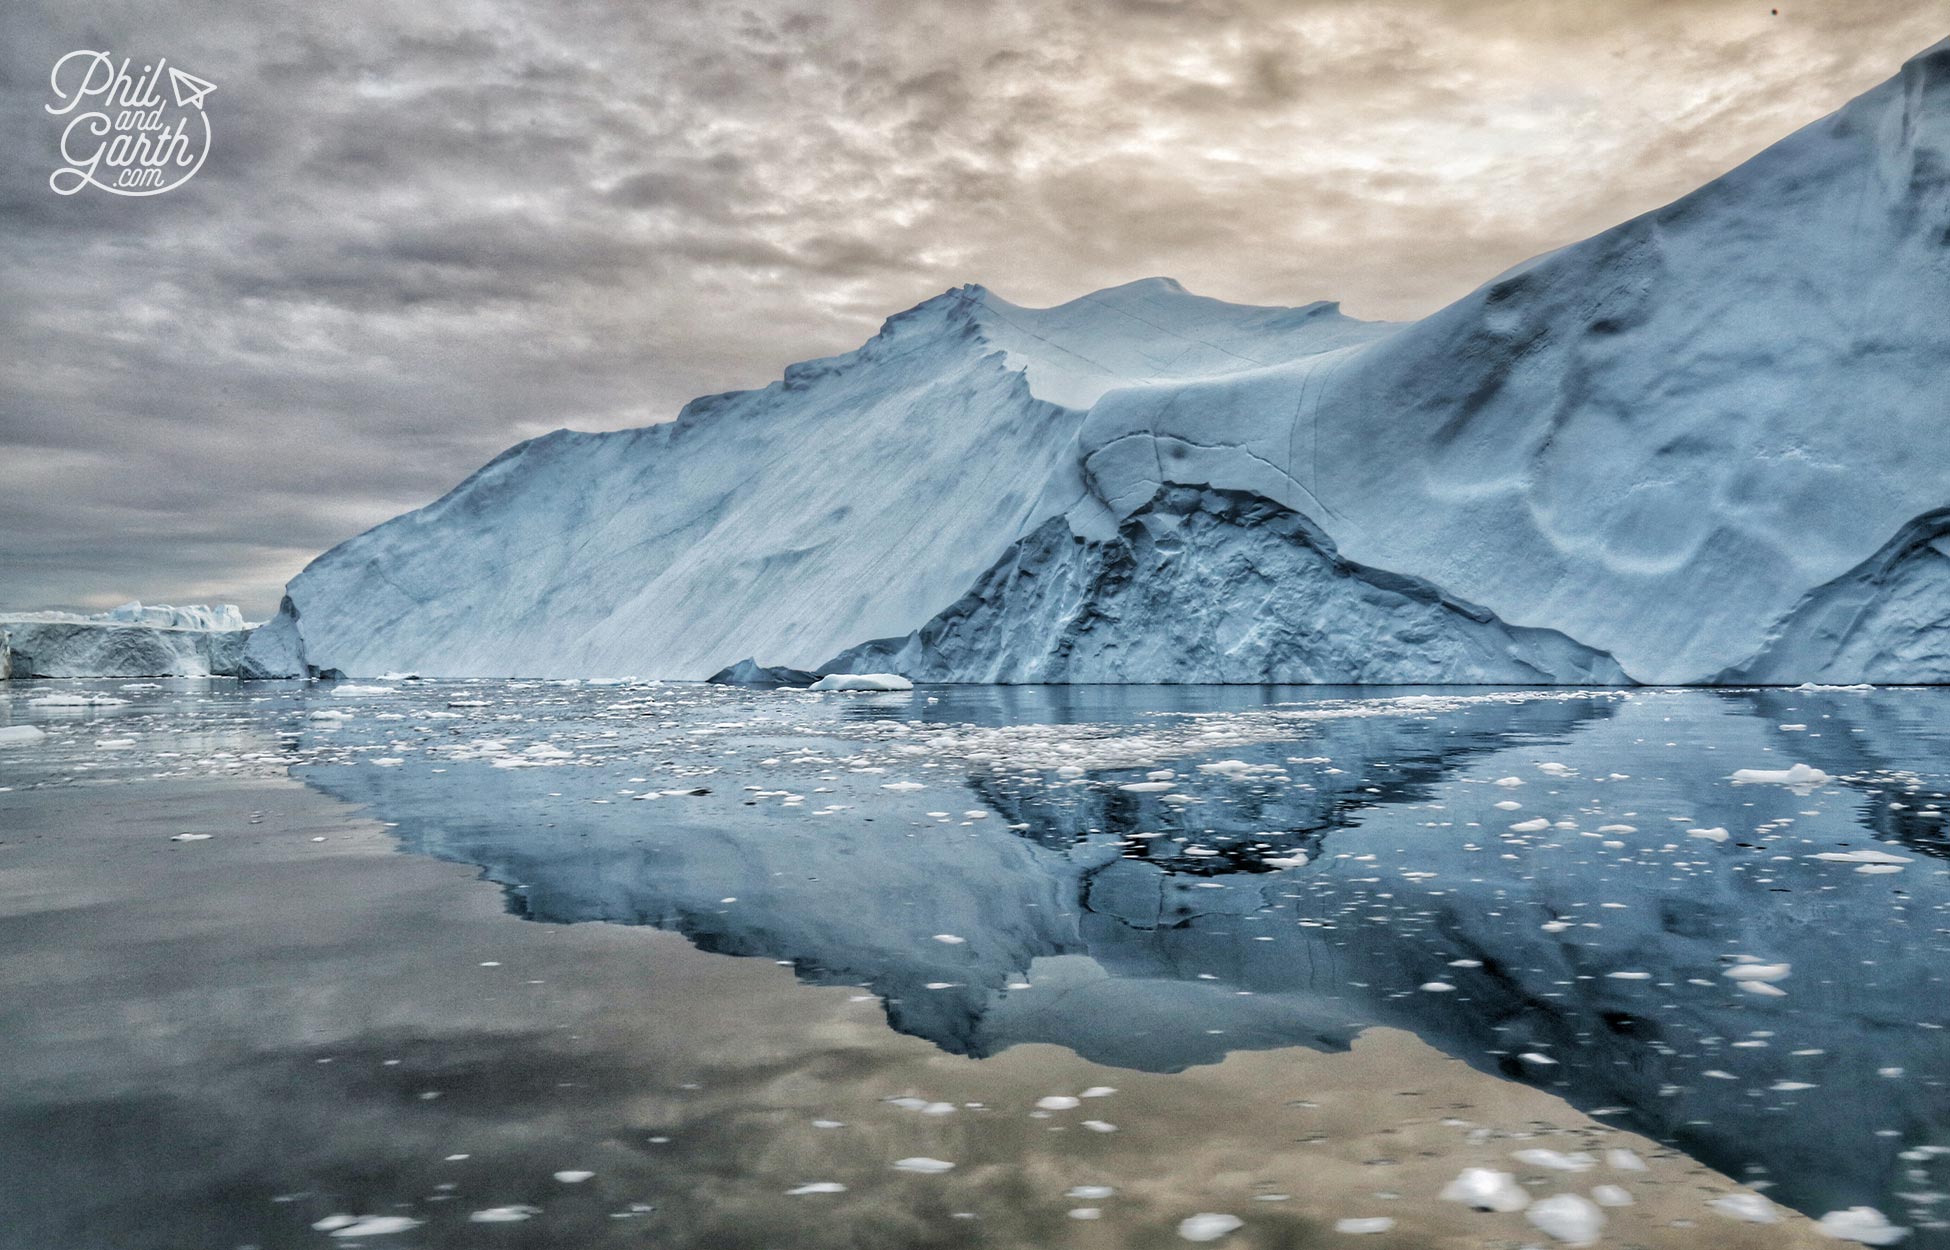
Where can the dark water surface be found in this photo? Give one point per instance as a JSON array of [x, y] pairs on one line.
[[1552, 887]]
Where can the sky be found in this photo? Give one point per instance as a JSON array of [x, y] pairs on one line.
[[428, 230]]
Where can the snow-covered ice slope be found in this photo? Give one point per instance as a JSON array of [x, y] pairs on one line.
[[852, 500], [1655, 443]]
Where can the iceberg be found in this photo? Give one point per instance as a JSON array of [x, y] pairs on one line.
[[133, 640], [1679, 452]]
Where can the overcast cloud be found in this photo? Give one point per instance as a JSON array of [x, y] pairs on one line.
[[428, 229]]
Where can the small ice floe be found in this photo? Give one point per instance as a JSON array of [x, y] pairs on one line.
[[1619, 1159], [1086, 1213], [1486, 1189], [1147, 787], [922, 1105], [1531, 826], [1208, 1226], [1538, 1157], [1751, 969], [1866, 1225], [1368, 1224], [1752, 1208], [1715, 834], [1509, 781], [1570, 1218], [190, 837], [1089, 1191], [110, 744], [505, 1215], [1531, 1056], [923, 1165], [1862, 857], [1098, 1091], [816, 1187], [1058, 1102], [1507, 805], [1611, 1195], [20, 735], [368, 1225], [1629, 976], [358, 690], [573, 1176], [1296, 860], [903, 787], [949, 939], [862, 682], [1437, 987], [1100, 1126], [1800, 776], [329, 715]]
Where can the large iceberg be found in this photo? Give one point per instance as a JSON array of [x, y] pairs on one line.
[[1700, 446], [134, 640]]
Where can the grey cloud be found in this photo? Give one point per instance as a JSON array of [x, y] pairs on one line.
[[429, 230]]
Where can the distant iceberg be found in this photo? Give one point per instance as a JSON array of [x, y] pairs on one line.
[[134, 640]]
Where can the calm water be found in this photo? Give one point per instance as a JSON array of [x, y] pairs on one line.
[[1552, 887]]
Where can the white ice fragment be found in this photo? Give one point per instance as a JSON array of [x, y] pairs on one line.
[[1619, 1159], [1089, 1191], [1086, 1213], [1531, 826], [1862, 857], [1370, 1224], [1759, 972], [949, 939], [1715, 834], [505, 1215], [190, 837], [20, 735], [1438, 987], [1538, 1157], [1507, 805], [862, 682], [903, 787], [1058, 1102], [1509, 781], [1866, 1225], [1611, 1195], [1207, 1226], [377, 1226], [1147, 787], [816, 1187], [1098, 1091], [1570, 1218], [1752, 1208], [923, 1165], [1100, 1126], [573, 1176], [1800, 776], [1486, 1189]]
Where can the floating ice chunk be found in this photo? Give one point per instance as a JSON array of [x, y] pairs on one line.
[[1438, 987], [1086, 1213], [1098, 1091], [1749, 1207], [190, 837], [1370, 1224], [1538, 1157], [1486, 1189], [850, 682], [1715, 834], [1531, 826], [1862, 857], [573, 1176], [1507, 805], [1622, 1160], [816, 1187], [1089, 1191], [903, 787], [505, 1215], [1611, 1195], [1509, 781], [1100, 1126], [1571, 1219], [1208, 1226], [949, 939], [923, 1165], [75, 699], [1799, 776], [1759, 972], [376, 1226], [331, 1222], [358, 690], [1866, 1225], [1629, 976], [328, 715], [20, 735], [1147, 787], [1554, 769], [1296, 860], [1058, 1102], [1531, 1056]]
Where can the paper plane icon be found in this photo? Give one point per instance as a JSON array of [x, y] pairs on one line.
[[189, 89]]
